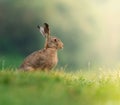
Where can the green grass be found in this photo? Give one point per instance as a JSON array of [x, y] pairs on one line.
[[59, 88], [10, 61]]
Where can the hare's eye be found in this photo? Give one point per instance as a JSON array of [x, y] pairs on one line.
[[55, 40]]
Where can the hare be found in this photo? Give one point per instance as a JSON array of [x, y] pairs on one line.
[[46, 58]]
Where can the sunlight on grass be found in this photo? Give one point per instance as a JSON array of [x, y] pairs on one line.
[[59, 87]]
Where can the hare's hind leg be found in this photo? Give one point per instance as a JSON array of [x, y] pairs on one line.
[[27, 68]]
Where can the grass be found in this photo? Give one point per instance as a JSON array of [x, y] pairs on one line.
[[59, 88], [10, 61]]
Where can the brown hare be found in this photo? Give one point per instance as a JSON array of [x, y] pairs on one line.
[[46, 58]]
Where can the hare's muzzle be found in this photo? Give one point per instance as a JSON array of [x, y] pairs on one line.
[[61, 46]]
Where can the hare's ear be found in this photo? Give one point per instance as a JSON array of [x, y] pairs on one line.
[[41, 29], [44, 30]]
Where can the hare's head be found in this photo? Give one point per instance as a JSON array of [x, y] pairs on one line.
[[54, 42], [51, 41]]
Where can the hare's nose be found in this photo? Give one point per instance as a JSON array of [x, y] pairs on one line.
[[62, 46]]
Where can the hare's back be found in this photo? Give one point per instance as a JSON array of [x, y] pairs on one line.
[[35, 60]]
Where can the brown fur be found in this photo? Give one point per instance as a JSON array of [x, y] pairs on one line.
[[44, 59]]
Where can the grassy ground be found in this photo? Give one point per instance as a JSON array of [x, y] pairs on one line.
[[10, 62], [59, 88]]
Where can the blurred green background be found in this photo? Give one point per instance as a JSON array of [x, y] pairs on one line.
[[89, 29]]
